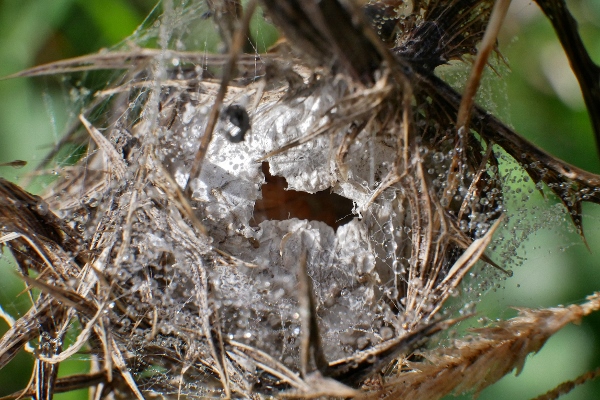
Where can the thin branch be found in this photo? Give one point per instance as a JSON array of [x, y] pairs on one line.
[[228, 70]]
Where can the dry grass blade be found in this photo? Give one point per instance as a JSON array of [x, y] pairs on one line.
[[237, 43], [115, 160], [212, 332], [460, 268], [488, 44], [81, 340], [319, 386], [566, 387], [28, 216], [70, 298], [24, 330], [64, 385], [116, 60], [120, 363], [45, 378], [166, 182], [311, 341], [270, 365], [355, 369]]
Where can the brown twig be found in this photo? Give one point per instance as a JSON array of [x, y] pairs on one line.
[[228, 70]]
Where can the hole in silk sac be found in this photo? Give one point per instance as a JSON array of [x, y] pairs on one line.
[[278, 203]]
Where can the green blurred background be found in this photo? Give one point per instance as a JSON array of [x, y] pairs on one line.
[[539, 97]]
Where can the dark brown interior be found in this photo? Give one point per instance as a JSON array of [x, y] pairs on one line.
[[278, 203]]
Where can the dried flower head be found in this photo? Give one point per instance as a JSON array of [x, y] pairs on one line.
[[192, 277]]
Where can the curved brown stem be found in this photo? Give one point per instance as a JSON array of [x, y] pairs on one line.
[[586, 71]]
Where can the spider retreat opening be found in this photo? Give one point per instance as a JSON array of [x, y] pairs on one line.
[[278, 203]]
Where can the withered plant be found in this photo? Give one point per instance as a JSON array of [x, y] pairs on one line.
[[193, 274]]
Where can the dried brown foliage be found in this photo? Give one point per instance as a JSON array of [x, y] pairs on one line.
[[150, 243], [477, 361]]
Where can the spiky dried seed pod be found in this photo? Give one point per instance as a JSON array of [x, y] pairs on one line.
[[179, 293]]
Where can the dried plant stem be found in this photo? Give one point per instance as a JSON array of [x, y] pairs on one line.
[[487, 45], [238, 42], [567, 386]]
